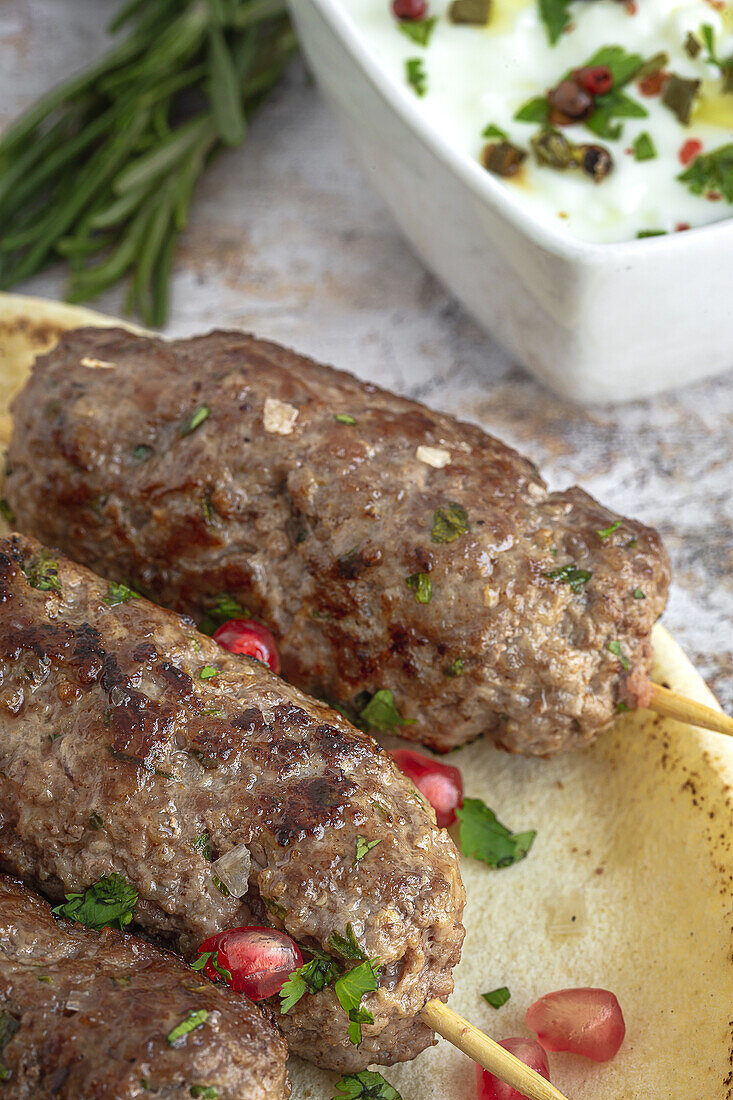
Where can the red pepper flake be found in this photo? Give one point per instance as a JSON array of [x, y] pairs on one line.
[[409, 9], [713, 196], [654, 83], [689, 150], [631, 7], [681, 227]]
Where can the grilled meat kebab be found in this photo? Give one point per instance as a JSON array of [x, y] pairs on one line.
[[131, 744], [94, 1014], [388, 547]]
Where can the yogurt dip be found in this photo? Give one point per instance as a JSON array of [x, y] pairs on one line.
[[471, 80]]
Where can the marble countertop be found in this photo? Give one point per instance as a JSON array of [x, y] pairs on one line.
[[288, 240]]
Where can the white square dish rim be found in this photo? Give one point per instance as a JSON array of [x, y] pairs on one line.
[[717, 234]]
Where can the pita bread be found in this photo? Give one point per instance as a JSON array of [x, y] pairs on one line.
[[629, 884]]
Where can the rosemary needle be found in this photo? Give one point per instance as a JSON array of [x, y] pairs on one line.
[[100, 172]]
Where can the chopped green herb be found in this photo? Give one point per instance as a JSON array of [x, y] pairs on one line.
[[311, 978], [622, 708], [497, 997], [108, 903], [482, 836], [6, 511], [120, 593], [213, 958], [639, 594], [219, 885], [651, 233], [614, 105], [644, 148], [142, 452], [615, 648], [474, 12], [202, 844], [207, 508], [196, 1019], [455, 669], [679, 95], [363, 847], [365, 1085], [205, 1092], [95, 822], [195, 420], [570, 574], [416, 75], [493, 131], [606, 532], [381, 713], [534, 110], [43, 573], [208, 672], [46, 979], [418, 30], [652, 65], [725, 64], [350, 988], [422, 585], [711, 173], [344, 418], [276, 908], [449, 523], [223, 608], [347, 946], [555, 14]]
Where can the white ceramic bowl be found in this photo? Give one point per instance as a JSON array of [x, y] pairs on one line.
[[596, 322]]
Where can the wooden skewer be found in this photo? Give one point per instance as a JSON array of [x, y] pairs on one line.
[[672, 705], [487, 1053]]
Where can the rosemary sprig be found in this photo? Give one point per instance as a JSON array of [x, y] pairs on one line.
[[101, 170]]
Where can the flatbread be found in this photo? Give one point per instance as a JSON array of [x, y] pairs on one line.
[[629, 884]]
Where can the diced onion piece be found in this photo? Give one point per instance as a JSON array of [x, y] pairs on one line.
[[78, 1000], [584, 1021], [98, 364], [528, 1051], [433, 456], [233, 869], [279, 417]]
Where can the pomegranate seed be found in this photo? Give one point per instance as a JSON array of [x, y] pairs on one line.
[[528, 1051], [596, 79], [583, 1021], [441, 784], [259, 960], [251, 638], [689, 150], [409, 9], [682, 226]]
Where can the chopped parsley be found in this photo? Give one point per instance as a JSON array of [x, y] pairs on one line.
[[449, 523], [108, 903], [213, 957], [194, 1020], [615, 648], [195, 420], [651, 233], [536, 109], [142, 452], [725, 64], [43, 573], [570, 574], [344, 418], [350, 988], [555, 14], [6, 511], [639, 594], [363, 847], [95, 822], [208, 672], [416, 76], [493, 131], [205, 1092], [474, 12], [365, 1085], [347, 946], [455, 669], [606, 532], [622, 708], [483, 836], [276, 908], [310, 978], [418, 31], [381, 713], [711, 173], [422, 585], [497, 997], [644, 148], [119, 593], [202, 844], [223, 608]]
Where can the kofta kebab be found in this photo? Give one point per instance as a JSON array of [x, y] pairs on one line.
[[131, 746], [415, 572]]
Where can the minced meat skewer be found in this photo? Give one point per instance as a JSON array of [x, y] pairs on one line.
[[94, 1014], [131, 744], [389, 547]]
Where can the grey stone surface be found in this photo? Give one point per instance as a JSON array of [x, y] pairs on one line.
[[287, 239]]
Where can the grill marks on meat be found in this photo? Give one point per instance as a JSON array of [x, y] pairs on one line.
[[92, 1012], [316, 533], [104, 717]]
